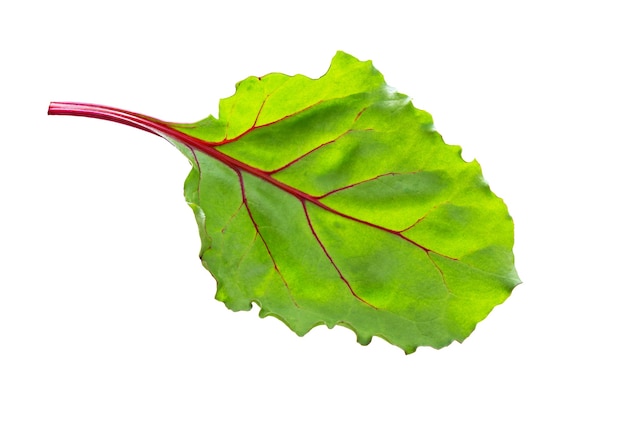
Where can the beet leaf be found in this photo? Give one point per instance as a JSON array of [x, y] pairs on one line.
[[334, 201]]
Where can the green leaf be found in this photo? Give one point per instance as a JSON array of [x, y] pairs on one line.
[[334, 201]]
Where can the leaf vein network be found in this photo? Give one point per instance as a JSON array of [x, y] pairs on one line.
[[258, 232]]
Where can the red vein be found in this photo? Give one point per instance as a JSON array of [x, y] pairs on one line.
[[254, 126], [163, 129], [287, 165], [251, 128], [258, 114], [319, 241], [321, 145], [360, 182], [232, 216], [443, 277], [422, 218], [258, 232]]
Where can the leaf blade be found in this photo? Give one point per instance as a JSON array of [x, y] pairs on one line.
[[334, 201]]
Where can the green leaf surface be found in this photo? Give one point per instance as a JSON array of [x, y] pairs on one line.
[[334, 201]]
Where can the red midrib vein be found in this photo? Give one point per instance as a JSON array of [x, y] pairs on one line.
[[161, 128]]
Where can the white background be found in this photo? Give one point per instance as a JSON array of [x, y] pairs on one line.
[[107, 318]]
